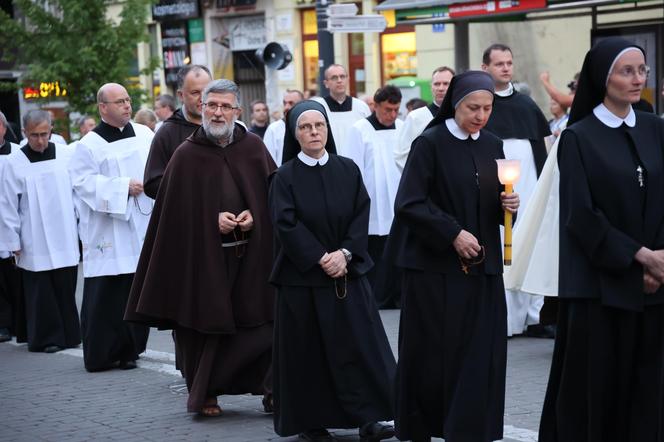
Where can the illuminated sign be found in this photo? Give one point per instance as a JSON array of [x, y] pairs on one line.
[[493, 7], [45, 90]]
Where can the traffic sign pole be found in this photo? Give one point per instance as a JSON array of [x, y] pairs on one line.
[[325, 43]]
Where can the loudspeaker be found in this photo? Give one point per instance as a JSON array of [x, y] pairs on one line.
[[275, 55]]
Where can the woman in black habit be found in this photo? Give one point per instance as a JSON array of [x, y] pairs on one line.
[[333, 367], [446, 235], [607, 375]]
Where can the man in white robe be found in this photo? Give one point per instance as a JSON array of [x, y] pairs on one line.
[[369, 144], [10, 286], [417, 120], [342, 109], [106, 172], [38, 224], [521, 125], [274, 134]]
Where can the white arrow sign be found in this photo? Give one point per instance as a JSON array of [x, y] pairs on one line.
[[358, 23], [342, 10]]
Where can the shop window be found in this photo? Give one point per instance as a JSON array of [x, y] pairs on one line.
[[399, 55]]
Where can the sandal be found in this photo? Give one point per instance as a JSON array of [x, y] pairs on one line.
[[210, 409]]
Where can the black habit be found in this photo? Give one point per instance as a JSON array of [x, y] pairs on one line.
[[333, 367], [170, 135], [217, 299], [607, 374], [452, 339], [517, 116]]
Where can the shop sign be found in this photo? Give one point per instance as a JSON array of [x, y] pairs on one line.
[[166, 10], [50, 89], [196, 30], [477, 9]]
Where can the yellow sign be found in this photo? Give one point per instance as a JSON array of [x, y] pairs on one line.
[[45, 90]]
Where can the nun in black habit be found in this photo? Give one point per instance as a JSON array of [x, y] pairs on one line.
[[333, 367], [446, 236], [607, 376]]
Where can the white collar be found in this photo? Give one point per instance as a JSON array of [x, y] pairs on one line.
[[458, 132], [610, 119], [507, 92], [311, 161]]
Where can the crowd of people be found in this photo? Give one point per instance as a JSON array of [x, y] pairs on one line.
[[269, 248]]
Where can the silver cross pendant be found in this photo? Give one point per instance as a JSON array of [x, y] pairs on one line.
[[639, 176]]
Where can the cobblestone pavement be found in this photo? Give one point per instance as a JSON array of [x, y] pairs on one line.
[[51, 397]]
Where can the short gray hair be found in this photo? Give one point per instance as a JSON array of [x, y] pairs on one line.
[[222, 86], [36, 116], [3, 120]]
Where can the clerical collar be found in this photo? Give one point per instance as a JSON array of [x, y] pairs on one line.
[[459, 133], [6, 148], [112, 133], [377, 125], [311, 161], [507, 92], [610, 119], [35, 157], [335, 106]]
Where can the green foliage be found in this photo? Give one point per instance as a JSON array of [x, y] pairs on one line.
[[73, 42]]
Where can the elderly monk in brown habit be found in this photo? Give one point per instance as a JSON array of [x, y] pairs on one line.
[[204, 268]]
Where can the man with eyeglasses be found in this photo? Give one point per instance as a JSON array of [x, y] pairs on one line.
[[521, 125], [10, 278], [38, 224], [191, 80], [204, 268], [106, 172], [274, 135], [342, 109]]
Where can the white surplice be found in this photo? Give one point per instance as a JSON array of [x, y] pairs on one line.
[[4, 254], [112, 223], [416, 122], [371, 150], [342, 121], [274, 140], [38, 215]]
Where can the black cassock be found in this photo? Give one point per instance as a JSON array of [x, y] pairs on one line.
[[607, 374], [333, 367], [452, 340]]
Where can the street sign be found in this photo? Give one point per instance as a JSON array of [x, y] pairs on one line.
[[358, 23], [342, 10]]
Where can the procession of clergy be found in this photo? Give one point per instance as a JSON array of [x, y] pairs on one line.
[[270, 256]]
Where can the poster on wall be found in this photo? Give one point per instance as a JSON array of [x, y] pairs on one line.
[[175, 49], [247, 33], [222, 56]]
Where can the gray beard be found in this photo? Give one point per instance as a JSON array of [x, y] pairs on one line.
[[219, 135]]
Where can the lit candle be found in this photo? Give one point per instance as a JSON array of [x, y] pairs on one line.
[[508, 174]]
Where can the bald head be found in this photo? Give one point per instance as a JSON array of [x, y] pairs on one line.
[[114, 104]]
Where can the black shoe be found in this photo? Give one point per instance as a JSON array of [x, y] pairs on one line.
[[5, 335], [375, 431], [127, 365], [268, 403], [541, 331], [319, 435], [52, 349]]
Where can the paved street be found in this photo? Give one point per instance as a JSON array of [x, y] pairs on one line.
[[51, 397]]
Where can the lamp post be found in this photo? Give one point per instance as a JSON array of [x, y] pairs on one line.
[[508, 174]]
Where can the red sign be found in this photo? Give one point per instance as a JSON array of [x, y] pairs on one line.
[[493, 7]]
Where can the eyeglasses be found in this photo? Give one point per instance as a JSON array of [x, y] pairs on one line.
[[630, 71], [466, 264], [225, 108], [119, 102], [338, 77], [308, 127]]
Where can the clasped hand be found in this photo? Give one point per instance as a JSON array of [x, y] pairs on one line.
[[653, 268], [334, 264], [228, 222], [510, 202]]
